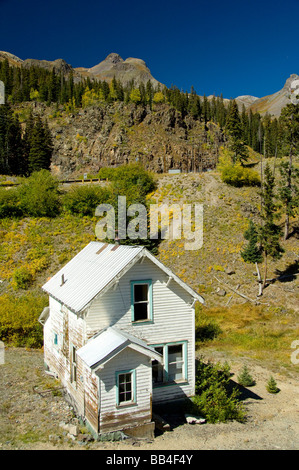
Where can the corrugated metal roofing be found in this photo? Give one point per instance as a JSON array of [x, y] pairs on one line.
[[98, 348], [96, 267], [88, 273]]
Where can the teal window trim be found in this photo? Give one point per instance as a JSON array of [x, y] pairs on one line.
[[184, 343], [133, 389], [150, 300]]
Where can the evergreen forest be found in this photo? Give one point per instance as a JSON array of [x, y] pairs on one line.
[[24, 151]]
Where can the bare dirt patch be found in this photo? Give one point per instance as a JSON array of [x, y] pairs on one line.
[[31, 420]]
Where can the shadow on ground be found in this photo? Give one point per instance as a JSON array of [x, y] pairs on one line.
[[172, 414]]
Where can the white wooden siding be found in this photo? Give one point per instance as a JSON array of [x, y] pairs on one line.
[[71, 332], [113, 417], [173, 316]]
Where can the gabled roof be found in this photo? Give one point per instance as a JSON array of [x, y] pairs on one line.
[[96, 269], [110, 342]]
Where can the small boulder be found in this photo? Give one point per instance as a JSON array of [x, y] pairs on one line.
[[229, 271], [191, 419], [220, 292]]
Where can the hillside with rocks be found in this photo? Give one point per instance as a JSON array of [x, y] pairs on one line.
[[114, 134]]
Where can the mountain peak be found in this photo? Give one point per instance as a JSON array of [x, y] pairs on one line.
[[273, 104], [124, 70], [114, 58]]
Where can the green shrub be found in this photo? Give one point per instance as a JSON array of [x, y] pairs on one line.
[[106, 173], [9, 203], [215, 400], [132, 181], [217, 406], [245, 378], [237, 175], [205, 328], [39, 196], [82, 200], [21, 278], [19, 315]]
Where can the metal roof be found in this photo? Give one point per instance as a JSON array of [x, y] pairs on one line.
[[106, 344], [89, 272], [95, 269]]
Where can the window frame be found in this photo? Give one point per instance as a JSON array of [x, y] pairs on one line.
[[55, 340], [149, 283], [133, 401], [165, 373], [73, 372]]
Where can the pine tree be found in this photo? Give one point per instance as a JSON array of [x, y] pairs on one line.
[[272, 386], [234, 130], [205, 109], [149, 93], [244, 378], [289, 192], [40, 148], [252, 253], [16, 164], [220, 112], [289, 189], [268, 232], [11, 145]]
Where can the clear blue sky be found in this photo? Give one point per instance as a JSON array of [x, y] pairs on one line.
[[230, 47]]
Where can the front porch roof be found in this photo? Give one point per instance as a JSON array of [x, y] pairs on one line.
[[102, 347]]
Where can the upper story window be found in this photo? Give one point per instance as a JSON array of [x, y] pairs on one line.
[[141, 300]]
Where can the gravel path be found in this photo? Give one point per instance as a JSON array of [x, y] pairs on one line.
[[31, 414]]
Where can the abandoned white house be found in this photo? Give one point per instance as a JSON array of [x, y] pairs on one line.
[[120, 334]]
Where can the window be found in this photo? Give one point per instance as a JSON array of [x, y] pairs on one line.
[[126, 387], [73, 365], [157, 368], [55, 339], [175, 363], [141, 300], [174, 368]]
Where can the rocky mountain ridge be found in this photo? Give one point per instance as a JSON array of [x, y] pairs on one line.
[[273, 104], [123, 70], [136, 69]]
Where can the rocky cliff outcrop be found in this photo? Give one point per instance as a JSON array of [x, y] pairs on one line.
[[59, 65], [116, 134]]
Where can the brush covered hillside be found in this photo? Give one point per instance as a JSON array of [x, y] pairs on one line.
[[52, 121], [261, 328]]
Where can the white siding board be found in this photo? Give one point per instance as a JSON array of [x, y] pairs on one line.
[[113, 417], [173, 316]]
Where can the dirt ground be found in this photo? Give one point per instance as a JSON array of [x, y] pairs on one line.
[[31, 413]]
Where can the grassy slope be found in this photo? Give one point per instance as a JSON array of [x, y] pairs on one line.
[[263, 332]]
